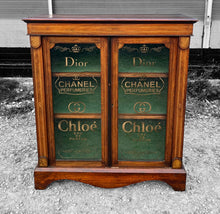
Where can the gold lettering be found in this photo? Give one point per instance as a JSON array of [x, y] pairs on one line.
[[86, 84], [152, 84], [73, 84], [72, 125], [85, 127], [80, 84], [79, 124], [139, 85], [146, 84], [61, 82], [139, 60], [60, 126], [123, 127], [133, 84], [65, 125], [158, 127], [69, 62], [142, 127], [80, 64], [129, 127], [67, 84], [151, 128], [90, 84], [126, 84], [136, 126], [69, 59], [93, 126]]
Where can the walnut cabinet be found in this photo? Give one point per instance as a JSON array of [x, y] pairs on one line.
[[110, 96]]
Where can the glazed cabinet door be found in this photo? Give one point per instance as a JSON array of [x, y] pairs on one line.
[[142, 98], [76, 84]]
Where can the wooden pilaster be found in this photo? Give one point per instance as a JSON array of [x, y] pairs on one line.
[[39, 97], [180, 101]]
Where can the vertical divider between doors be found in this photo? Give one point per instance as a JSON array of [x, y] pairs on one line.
[[104, 100], [114, 100], [109, 104]]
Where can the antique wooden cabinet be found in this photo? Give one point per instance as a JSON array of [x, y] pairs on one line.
[[110, 98]]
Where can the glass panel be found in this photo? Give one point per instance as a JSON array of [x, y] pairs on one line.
[[75, 58], [142, 95], [76, 94], [147, 58], [78, 139], [141, 140]]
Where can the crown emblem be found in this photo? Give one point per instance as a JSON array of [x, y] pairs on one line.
[[144, 49], [76, 49]]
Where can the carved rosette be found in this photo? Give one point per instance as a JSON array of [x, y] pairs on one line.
[[177, 163], [184, 43], [35, 41], [43, 162]]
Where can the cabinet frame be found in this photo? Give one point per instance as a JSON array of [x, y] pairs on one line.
[[118, 43], [102, 44], [176, 28]]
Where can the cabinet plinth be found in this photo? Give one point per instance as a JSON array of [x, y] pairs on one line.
[[110, 95]]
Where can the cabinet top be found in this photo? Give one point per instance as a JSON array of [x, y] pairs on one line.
[[112, 18]]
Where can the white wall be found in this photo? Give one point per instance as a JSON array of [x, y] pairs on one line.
[[13, 30], [215, 34], [13, 33]]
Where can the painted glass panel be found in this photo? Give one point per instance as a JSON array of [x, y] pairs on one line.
[[75, 58], [76, 94], [78, 139], [141, 140], [144, 58], [138, 95]]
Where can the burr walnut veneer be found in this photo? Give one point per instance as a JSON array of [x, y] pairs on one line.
[[110, 96]]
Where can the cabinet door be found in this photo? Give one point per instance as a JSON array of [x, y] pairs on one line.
[[142, 96], [76, 78]]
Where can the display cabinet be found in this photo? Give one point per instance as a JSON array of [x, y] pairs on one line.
[[110, 96]]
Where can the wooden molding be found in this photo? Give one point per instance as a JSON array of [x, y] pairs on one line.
[[43, 162], [98, 45], [184, 42], [110, 177], [110, 29], [35, 41], [51, 45], [120, 45], [167, 45]]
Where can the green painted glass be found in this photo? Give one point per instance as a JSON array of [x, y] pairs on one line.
[[78, 139], [141, 140], [142, 95], [76, 94], [144, 58], [75, 58]]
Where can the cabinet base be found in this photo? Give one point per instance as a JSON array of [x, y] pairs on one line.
[[110, 177]]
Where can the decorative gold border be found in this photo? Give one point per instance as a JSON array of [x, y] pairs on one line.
[[77, 94], [144, 111], [144, 93], [80, 111], [143, 49], [75, 48]]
